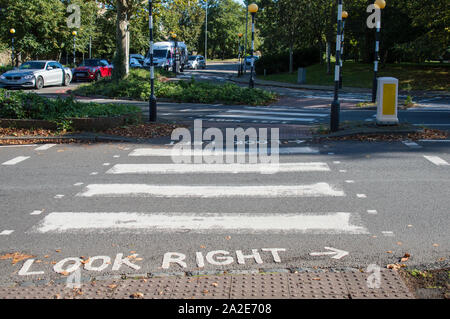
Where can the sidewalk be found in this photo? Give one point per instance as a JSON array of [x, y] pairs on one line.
[[276, 285]]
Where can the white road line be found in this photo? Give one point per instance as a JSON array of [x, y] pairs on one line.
[[335, 223], [436, 160], [411, 144], [93, 173], [261, 117], [78, 184], [192, 152], [59, 196], [44, 147], [7, 232], [278, 113], [388, 233], [216, 168], [208, 191], [349, 181], [16, 160], [372, 211], [361, 195], [36, 212], [342, 171]]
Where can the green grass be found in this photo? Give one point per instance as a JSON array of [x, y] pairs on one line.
[[137, 86], [425, 76]]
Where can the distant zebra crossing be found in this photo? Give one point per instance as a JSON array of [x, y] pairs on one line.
[[339, 222], [266, 115]]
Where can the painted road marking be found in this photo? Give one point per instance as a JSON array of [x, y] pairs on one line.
[[262, 117], [335, 253], [349, 181], [436, 160], [197, 222], [411, 144], [44, 147], [36, 212], [207, 191], [342, 171], [361, 195], [372, 211], [388, 233], [16, 160], [78, 184], [209, 152], [93, 173], [216, 168], [278, 113], [58, 196], [6, 232]]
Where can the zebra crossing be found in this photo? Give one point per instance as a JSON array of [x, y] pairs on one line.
[[172, 220], [268, 115]]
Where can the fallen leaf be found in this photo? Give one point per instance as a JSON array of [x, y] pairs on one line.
[[112, 286], [404, 259], [228, 237], [399, 243], [215, 284], [16, 257], [435, 245], [132, 252], [58, 250], [137, 295], [202, 246], [205, 291], [64, 273], [316, 278], [389, 252], [46, 256]]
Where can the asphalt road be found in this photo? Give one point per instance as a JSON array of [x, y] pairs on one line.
[[375, 201]]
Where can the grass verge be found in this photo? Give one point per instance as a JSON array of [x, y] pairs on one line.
[[421, 77], [137, 86]]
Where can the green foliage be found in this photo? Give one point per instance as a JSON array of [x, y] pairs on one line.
[[20, 105], [279, 62], [137, 86]]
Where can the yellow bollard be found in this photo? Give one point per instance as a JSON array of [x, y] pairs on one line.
[[387, 100]]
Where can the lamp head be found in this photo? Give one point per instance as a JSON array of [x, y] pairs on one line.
[[74, 33], [380, 4], [240, 35], [12, 31], [344, 15], [253, 8]]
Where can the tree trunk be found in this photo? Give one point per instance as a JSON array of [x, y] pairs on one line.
[[120, 62], [328, 57]]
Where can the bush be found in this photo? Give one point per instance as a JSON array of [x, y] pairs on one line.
[[279, 62], [137, 86], [20, 105]]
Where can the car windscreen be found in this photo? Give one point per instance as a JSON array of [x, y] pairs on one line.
[[160, 53], [32, 65], [90, 63], [192, 58]]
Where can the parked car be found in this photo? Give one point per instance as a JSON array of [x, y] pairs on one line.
[[92, 70], [248, 59], [196, 61], [163, 54], [134, 63], [37, 74], [138, 57]]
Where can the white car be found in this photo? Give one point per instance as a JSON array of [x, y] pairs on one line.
[[37, 74]]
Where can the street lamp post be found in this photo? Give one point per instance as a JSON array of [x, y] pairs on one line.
[[206, 30], [239, 55], [74, 33], [246, 33], [379, 4], [344, 17], [335, 105], [152, 102], [12, 31], [174, 36], [253, 8]]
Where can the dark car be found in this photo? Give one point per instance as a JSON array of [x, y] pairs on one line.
[[92, 70]]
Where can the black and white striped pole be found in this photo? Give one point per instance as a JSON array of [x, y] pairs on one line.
[[152, 102], [344, 17], [74, 33], [379, 4], [335, 105], [253, 8]]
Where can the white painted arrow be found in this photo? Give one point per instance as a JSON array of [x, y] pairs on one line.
[[338, 254]]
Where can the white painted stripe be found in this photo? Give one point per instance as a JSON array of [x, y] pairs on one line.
[[208, 191], [59, 196], [191, 152], [361, 195], [411, 144], [278, 113], [16, 160], [78, 184], [261, 117], [36, 212], [200, 222], [436, 160], [372, 211], [44, 147], [388, 233], [216, 168], [6, 232], [349, 181]]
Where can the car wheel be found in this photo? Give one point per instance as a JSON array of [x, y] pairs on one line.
[[39, 83], [66, 80]]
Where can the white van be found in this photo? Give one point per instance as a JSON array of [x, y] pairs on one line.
[[163, 53]]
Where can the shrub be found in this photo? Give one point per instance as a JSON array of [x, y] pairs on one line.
[[279, 62]]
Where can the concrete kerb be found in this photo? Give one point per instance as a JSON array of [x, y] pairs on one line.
[[366, 131]]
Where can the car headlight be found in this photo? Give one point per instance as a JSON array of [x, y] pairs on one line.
[[27, 77]]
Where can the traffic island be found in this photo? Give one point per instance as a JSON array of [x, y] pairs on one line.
[[371, 132]]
